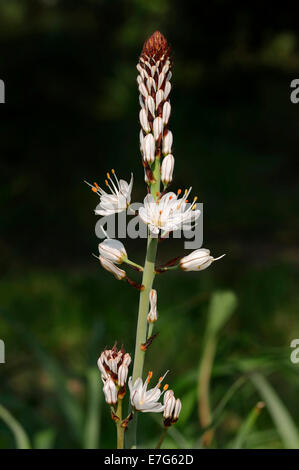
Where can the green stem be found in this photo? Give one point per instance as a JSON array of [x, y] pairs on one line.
[[131, 263], [147, 282], [120, 429], [162, 438]]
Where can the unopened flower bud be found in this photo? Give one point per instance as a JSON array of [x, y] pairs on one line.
[[149, 148], [159, 97], [109, 266], [166, 112], [198, 260], [167, 143], [167, 169], [152, 315], [151, 105], [122, 375], [101, 367], [157, 127], [169, 404], [127, 359], [177, 410], [110, 392], [167, 89], [143, 120], [113, 250]]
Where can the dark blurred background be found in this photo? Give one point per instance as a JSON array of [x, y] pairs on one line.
[[71, 114]]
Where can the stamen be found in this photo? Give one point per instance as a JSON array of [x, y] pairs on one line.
[[157, 193], [94, 189], [170, 197], [150, 374], [106, 183], [112, 171], [194, 207], [179, 192], [108, 176], [96, 185], [165, 387]]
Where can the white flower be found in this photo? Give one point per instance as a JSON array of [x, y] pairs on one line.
[[109, 266], [149, 148], [113, 250], [119, 199], [146, 400], [110, 391], [167, 143], [168, 213], [198, 260], [152, 315], [167, 169]]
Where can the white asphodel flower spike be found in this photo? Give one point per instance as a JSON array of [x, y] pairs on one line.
[[109, 266], [154, 88], [119, 199], [152, 315], [145, 400], [198, 260], [167, 169], [113, 250], [110, 392], [168, 213]]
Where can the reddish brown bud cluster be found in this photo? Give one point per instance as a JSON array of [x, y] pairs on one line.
[[155, 47]]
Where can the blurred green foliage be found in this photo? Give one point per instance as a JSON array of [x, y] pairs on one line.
[[71, 114]]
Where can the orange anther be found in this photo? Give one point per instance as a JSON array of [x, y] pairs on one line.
[[157, 193], [108, 176], [94, 189], [165, 387], [112, 171], [106, 183], [96, 185], [179, 192], [170, 197]]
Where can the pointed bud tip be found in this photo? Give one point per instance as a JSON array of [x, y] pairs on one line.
[[155, 45]]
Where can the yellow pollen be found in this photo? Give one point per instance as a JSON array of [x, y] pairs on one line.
[[195, 199], [112, 171], [194, 207], [186, 191], [150, 374], [165, 387]]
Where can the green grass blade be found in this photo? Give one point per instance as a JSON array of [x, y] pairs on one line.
[[279, 413], [247, 426], [92, 424], [21, 438]]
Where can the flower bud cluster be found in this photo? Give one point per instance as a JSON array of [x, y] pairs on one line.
[[154, 87], [114, 368]]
